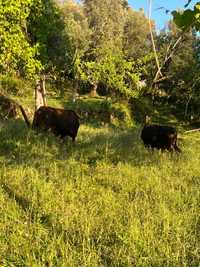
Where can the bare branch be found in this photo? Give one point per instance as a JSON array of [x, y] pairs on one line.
[[172, 48], [152, 39]]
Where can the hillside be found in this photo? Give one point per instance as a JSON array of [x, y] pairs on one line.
[[105, 201]]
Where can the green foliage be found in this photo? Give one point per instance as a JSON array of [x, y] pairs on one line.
[[121, 115], [16, 54], [77, 27], [135, 36], [100, 110], [104, 61], [184, 20], [188, 18], [181, 85], [77, 34], [8, 109], [141, 107], [106, 30], [119, 75], [73, 41], [45, 26], [107, 201], [12, 85]]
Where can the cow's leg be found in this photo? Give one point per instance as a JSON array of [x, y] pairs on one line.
[[177, 149]]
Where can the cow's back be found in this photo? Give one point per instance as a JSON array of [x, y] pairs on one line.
[[61, 122], [159, 136]]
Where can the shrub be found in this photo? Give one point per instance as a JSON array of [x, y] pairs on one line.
[[121, 115], [141, 107], [8, 109], [100, 110], [11, 85]]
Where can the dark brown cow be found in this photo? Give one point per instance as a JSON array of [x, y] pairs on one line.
[[61, 122], [160, 137]]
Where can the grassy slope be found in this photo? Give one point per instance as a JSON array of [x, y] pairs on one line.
[[104, 202], [99, 203]]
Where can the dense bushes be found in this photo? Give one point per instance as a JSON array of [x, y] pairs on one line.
[[102, 110], [8, 108], [12, 85], [140, 108], [98, 110]]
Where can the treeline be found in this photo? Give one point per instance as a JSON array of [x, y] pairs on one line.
[[99, 46]]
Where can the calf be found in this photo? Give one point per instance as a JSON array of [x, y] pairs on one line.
[[61, 122], [160, 137]]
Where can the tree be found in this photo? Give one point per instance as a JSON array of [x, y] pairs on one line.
[[182, 70], [114, 71], [78, 33], [46, 29], [17, 56], [188, 20], [104, 60], [136, 43], [106, 30]]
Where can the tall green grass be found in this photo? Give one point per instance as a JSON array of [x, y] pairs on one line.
[[105, 201]]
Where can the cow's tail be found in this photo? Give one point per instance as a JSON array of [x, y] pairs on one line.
[[25, 116]]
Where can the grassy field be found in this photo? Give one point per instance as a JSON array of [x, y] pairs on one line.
[[105, 201]]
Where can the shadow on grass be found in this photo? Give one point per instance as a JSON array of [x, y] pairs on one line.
[[47, 220], [21, 201], [115, 146], [19, 144], [22, 146]]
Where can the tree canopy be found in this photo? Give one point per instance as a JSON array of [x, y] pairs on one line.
[[83, 43]]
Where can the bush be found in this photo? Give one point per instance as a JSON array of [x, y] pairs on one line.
[[141, 107], [101, 110], [15, 86], [8, 108], [121, 115]]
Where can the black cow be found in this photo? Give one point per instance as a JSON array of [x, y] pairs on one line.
[[160, 137], [61, 122]]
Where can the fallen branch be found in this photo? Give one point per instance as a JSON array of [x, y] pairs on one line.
[[194, 130], [19, 106]]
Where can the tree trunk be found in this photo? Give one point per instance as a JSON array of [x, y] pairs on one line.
[[40, 94], [75, 91], [43, 90], [93, 91]]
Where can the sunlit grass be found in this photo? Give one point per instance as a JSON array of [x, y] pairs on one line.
[[105, 201]]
